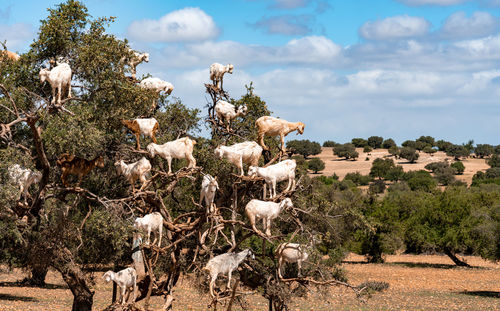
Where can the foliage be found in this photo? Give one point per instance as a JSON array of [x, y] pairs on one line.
[[394, 151], [303, 147], [443, 145], [358, 179], [347, 151], [367, 149], [427, 140], [494, 161], [419, 180], [388, 143], [380, 167], [316, 165], [429, 150], [484, 150], [409, 154], [457, 151], [329, 143], [376, 187], [375, 142], [459, 167], [409, 144], [359, 142]]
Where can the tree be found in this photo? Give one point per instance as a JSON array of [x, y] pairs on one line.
[[394, 151], [303, 147], [494, 161], [358, 179], [388, 143], [367, 149], [429, 150], [459, 167], [457, 152], [381, 167], [329, 143], [375, 142], [409, 154], [443, 145], [359, 142], [427, 140], [484, 150], [409, 144], [316, 165], [347, 151], [420, 181]]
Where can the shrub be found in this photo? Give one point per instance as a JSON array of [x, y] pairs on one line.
[[376, 187], [434, 166], [429, 150], [394, 151], [388, 143], [359, 142], [367, 149], [380, 167], [375, 142], [428, 140], [409, 154], [457, 151], [347, 151], [420, 180], [443, 145], [316, 165], [358, 179], [410, 144], [484, 150], [329, 143], [494, 161], [395, 173], [303, 147], [445, 175], [459, 167]]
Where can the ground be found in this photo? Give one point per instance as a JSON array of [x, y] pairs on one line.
[[341, 167], [423, 282]]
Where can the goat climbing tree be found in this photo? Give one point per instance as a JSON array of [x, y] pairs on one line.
[[69, 228]]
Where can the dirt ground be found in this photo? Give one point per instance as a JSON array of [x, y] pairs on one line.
[[341, 167], [423, 282]]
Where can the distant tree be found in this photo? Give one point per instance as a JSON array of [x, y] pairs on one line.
[[410, 144], [316, 165], [359, 142], [409, 154], [303, 147], [469, 146], [493, 172], [494, 161], [358, 178], [445, 175], [497, 150], [329, 143], [388, 143], [434, 166], [394, 151], [443, 145], [459, 167], [375, 142], [380, 167], [376, 187], [367, 149], [428, 140], [420, 145], [457, 152], [420, 180], [484, 150], [429, 150], [347, 151], [395, 173]]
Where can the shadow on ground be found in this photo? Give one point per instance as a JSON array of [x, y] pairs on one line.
[[482, 293], [17, 298], [21, 284]]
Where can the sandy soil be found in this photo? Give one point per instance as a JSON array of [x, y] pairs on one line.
[[424, 282], [341, 167]]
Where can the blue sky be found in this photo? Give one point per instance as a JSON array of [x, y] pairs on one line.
[[392, 68]]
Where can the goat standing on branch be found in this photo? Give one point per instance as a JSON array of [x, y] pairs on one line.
[[147, 127], [284, 170], [225, 263], [217, 72], [247, 152], [150, 222], [24, 177], [266, 210], [270, 126], [10, 55], [134, 59], [126, 279], [134, 171], [158, 85], [226, 112], [71, 165], [291, 252], [181, 148], [209, 187], [59, 78]]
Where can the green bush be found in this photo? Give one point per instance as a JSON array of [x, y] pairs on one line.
[[329, 143], [457, 152], [388, 143], [303, 147], [409, 154], [358, 178], [494, 161], [420, 181], [459, 167], [367, 149], [375, 142], [376, 187], [347, 151], [380, 167], [394, 151], [484, 150], [316, 165], [359, 142]]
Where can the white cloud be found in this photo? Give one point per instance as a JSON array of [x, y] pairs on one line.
[[458, 25], [17, 35], [432, 2], [397, 27], [189, 24], [285, 24]]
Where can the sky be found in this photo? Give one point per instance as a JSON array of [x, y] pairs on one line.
[[392, 68]]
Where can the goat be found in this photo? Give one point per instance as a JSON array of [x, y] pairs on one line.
[[133, 60], [59, 78], [24, 177], [125, 279], [147, 127], [150, 222], [217, 72], [270, 126], [209, 186], [158, 86], [134, 171], [71, 165], [291, 252], [10, 55], [225, 263], [267, 211], [227, 112], [181, 148], [284, 170], [247, 152]]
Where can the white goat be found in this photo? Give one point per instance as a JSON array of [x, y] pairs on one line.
[[226, 112], [134, 171], [217, 72], [267, 211], [147, 127], [59, 78], [150, 222], [134, 60], [209, 186], [126, 279], [270, 126], [284, 170], [181, 148], [247, 152], [24, 177], [291, 252], [225, 263], [158, 85]]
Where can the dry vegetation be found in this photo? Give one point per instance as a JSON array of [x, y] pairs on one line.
[[341, 167], [424, 282]]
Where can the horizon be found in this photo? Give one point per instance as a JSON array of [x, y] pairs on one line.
[[398, 69]]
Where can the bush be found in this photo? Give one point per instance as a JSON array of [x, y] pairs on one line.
[[410, 144], [409, 154], [347, 151], [420, 180], [420, 145], [380, 167], [316, 165], [359, 142], [428, 140], [483, 150], [457, 151], [429, 150], [434, 166], [367, 149], [443, 145], [376, 187], [388, 143], [445, 176], [303, 147], [358, 179], [375, 142], [493, 172], [459, 167], [494, 161], [329, 143], [395, 173], [394, 151]]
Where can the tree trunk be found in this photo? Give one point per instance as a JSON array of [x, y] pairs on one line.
[[38, 274], [82, 296], [454, 258]]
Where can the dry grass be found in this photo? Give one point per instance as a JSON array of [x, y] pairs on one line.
[[423, 282], [341, 167]]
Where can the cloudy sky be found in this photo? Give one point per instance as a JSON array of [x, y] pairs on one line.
[[392, 68]]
